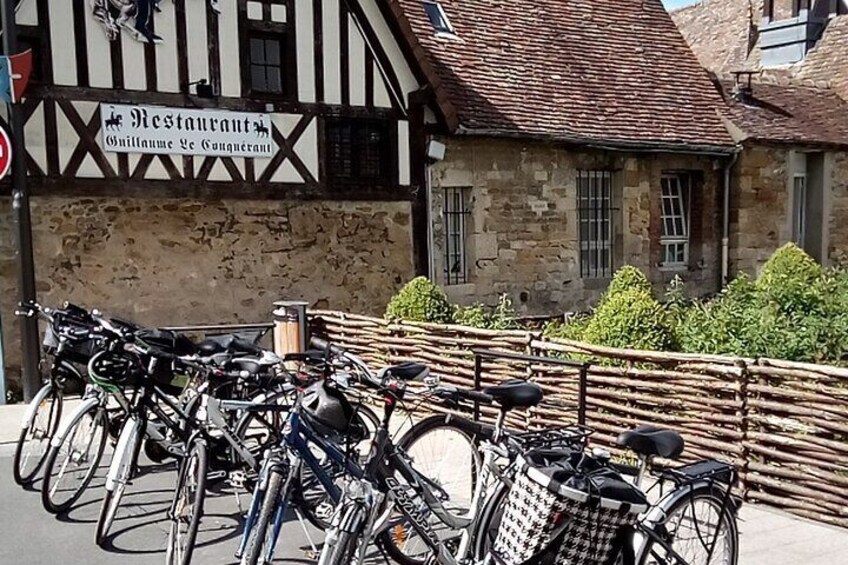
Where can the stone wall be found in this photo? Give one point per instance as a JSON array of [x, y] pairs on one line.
[[182, 261], [761, 205], [838, 220], [523, 233]]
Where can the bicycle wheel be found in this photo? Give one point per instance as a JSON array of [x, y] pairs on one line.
[[34, 442], [313, 500], [74, 458], [257, 428], [120, 472], [691, 526], [187, 507], [259, 539], [446, 455]]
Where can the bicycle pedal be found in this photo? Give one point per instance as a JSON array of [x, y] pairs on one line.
[[311, 555]]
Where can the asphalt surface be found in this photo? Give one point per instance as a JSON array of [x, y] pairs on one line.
[[32, 536]]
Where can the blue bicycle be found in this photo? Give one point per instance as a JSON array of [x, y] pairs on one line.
[[317, 446]]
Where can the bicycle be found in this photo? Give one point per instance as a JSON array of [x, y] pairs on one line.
[[175, 425], [187, 505], [650, 540], [65, 341], [77, 447], [306, 432]]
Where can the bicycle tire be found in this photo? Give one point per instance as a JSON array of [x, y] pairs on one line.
[[255, 548], [52, 400], [648, 555], [389, 540], [126, 460], [194, 465], [487, 527], [49, 485]]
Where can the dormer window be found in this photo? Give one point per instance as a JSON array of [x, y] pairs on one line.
[[438, 18]]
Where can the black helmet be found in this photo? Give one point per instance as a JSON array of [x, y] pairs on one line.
[[326, 409]]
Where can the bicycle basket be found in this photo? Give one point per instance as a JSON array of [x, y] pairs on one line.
[[564, 508]]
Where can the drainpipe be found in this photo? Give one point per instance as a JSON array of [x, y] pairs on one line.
[[725, 236]]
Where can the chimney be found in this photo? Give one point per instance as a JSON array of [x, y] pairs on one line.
[[743, 91]]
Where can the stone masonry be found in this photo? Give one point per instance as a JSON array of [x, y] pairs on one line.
[[523, 232], [761, 200], [181, 261]]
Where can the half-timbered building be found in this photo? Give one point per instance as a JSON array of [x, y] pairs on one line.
[[217, 156]]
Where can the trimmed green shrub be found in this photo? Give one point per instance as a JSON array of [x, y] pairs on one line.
[[789, 279], [626, 278], [420, 301], [629, 318], [500, 317]]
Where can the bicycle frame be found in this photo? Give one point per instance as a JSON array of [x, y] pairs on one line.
[[469, 524], [296, 441]]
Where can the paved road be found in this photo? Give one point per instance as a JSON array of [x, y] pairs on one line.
[[31, 536]]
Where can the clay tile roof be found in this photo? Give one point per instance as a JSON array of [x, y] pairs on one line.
[[590, 71], [718, 31], [789, 113]]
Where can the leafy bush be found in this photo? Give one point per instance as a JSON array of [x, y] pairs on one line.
[[420, 301], [570, 329], [629, 318], [722, 325], [626, 278], [500, 317], [789, 278]]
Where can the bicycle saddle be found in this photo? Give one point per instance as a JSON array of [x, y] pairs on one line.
[[405, 372], [515, 394], [650, 440]]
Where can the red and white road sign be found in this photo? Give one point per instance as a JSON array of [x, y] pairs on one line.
[[5, 153]]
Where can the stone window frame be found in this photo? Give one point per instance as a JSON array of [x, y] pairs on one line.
[[675, 219]]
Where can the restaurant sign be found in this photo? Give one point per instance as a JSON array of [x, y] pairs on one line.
[[160, 130]]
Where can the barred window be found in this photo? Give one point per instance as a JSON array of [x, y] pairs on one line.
[[676, 194], [594, 199], [456, 212], [358, 150]]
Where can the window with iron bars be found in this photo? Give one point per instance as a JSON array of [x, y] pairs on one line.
[[595, 208], [456, 213]]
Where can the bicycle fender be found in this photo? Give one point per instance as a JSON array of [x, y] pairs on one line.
[[29, 415], [128, 432], [659, 512], [85, 406]]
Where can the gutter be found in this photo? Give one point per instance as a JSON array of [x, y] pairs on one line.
[[725, 235], [605, 144]]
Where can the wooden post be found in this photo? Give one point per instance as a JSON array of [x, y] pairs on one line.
[[289, 327]]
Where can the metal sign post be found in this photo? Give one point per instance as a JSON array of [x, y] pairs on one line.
[[22, 227]]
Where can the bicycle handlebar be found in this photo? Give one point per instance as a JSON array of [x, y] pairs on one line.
[[365, 373]]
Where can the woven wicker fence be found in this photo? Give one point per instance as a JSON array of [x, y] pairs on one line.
[[785, 425]]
